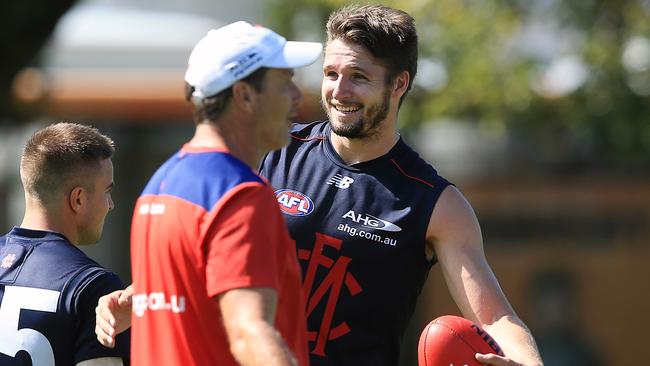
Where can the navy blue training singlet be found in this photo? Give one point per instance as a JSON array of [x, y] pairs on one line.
[[48, 292], [360, 234]]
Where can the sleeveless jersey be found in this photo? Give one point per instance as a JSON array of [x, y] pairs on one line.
[[360, 234], [48, 292], [207, 223]]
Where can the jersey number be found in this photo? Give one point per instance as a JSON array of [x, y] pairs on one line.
[[13, 339]]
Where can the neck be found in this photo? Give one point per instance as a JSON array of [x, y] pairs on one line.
[[358, 150], [230, 137], [38, 217]]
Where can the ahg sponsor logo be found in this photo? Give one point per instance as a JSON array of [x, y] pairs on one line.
[[353, 231], [371, 221], [294, 203]]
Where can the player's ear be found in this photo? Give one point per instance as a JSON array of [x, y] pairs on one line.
[[401, 83], [243, 95], [77, 199]]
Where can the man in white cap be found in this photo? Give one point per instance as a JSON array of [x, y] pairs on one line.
[[215, 275]]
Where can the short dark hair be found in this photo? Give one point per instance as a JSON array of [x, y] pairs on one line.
[[59, 157], [388, 34], [212, 107]]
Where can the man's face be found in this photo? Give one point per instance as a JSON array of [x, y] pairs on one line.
[[279, 102], [99, 202], [354, 92]]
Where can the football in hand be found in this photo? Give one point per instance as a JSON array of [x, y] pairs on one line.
[[453, 341]]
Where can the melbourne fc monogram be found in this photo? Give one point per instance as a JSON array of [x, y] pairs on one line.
[[331, 285]]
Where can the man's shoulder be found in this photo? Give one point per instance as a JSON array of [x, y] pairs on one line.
[[67, 266], [302, 136], [202, 178], [49, 254], [411, 165], [48, 262], [308, 131], [92, 282], [206, 163]]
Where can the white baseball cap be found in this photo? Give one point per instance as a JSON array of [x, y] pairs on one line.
[[234, 51]]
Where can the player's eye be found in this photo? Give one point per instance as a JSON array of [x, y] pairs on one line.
[[331, 75], [358, 76]]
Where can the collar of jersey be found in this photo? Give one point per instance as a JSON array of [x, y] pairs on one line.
[[376, 163], [36, 234], [188, 149]]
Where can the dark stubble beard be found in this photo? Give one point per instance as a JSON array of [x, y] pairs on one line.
[[367, 125]]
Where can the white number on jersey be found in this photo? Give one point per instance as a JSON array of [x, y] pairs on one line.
[[13, 339]]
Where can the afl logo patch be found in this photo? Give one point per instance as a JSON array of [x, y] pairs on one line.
[[294, 203]]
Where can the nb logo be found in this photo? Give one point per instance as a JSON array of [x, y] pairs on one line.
[[340, 181]]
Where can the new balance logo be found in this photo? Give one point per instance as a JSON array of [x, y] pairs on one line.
[[340, 181]]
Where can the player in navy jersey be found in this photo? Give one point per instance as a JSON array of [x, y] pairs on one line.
[[48, 286], [370, 217]]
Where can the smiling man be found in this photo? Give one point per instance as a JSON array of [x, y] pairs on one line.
[[379, 215]]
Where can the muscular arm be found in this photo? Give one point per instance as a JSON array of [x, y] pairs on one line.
[[249, 315], [455, 236]]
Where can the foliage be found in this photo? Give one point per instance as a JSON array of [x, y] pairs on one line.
[[549, 75]]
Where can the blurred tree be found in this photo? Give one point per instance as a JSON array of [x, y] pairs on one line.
[[567, 83], [24, 28]]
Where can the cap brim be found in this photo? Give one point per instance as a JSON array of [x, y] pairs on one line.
[[295, 54]]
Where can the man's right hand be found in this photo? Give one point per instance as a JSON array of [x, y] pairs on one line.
[[113, 315]]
